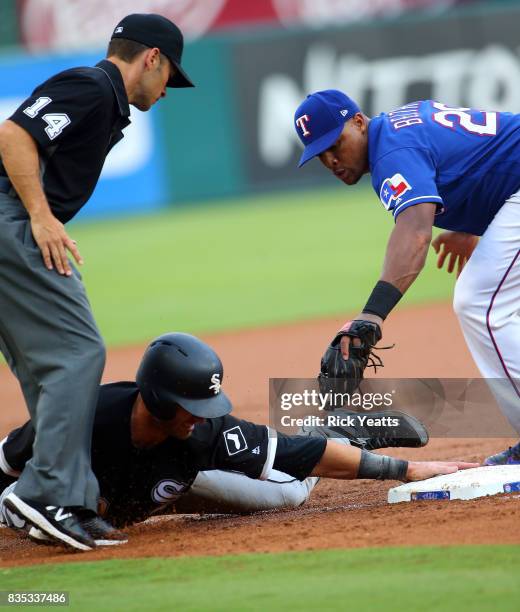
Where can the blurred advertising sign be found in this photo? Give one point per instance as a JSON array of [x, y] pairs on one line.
[[68, 24], [73, 24], [475, 62], [133, 178], [319, 13]]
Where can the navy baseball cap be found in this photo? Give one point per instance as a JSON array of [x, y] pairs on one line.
[[156, 31], [319, 120]]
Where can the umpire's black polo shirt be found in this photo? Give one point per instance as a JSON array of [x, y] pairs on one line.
[[76, 117]]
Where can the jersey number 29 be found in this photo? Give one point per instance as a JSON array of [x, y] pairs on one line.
[[56, 122], [449, 116]]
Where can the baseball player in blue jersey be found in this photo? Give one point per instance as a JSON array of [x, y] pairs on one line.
[[432, 165]]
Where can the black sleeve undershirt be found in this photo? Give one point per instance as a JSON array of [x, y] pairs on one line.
[[298, 455]]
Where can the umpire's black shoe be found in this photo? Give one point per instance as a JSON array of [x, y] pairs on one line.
[[372, 430], [103, 533], [61, 524]]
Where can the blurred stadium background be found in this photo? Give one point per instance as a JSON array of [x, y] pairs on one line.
[[201, 220]]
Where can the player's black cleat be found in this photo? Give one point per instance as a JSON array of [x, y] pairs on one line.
[[371, 430], [61, 524], [102, 531]]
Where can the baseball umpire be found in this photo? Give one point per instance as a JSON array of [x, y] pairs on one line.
[[153, 436], [52, 151], [433, 165]]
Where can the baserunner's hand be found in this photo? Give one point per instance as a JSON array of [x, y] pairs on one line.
[[53, 241], [420, 470]]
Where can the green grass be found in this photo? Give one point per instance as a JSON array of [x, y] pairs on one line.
[[402, 579], [252, 262]]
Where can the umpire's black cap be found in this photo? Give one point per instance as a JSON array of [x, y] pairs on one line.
[[156, 31], [179, 369]]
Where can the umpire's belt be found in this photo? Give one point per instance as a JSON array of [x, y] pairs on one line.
[[5, 184]]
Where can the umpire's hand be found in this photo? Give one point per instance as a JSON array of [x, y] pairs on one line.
[[53, 241]]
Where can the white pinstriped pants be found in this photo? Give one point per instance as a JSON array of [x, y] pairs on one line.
[[487, 303]]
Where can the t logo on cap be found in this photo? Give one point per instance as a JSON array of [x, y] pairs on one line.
[[300, 122], [329, 109]]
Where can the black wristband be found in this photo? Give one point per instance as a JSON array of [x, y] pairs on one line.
[[383, 298], [381, 467]]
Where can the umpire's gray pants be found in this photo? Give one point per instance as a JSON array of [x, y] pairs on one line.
[[52, 345]]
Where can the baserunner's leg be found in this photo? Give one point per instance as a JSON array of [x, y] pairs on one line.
[[230, 492]]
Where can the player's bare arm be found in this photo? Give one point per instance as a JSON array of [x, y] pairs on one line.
[[408, 246], [19, 154], [458, 245], [405, 258], [348, 462], [406, 254]]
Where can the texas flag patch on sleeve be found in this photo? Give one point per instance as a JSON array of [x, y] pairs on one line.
[[392, 191]]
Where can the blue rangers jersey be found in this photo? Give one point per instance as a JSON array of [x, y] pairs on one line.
[[465, 160]]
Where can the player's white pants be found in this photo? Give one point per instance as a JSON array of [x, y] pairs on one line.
[[487, 303], [219, 491]]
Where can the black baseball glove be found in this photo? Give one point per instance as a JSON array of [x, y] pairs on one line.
[[341, 375]]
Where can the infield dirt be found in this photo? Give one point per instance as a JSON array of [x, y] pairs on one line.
[[340, 514]]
